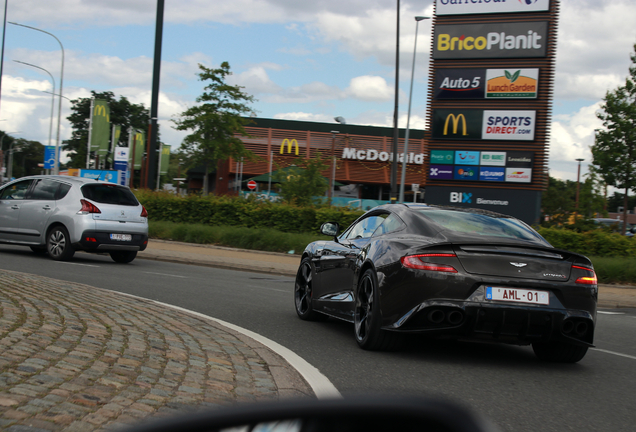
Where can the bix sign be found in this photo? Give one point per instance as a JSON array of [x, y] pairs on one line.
[[461, 197]]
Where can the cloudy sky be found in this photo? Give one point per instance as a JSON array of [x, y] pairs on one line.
[[301, 60]]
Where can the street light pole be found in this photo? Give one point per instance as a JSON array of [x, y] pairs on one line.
[[578, 177], [333, 164], [52, 97], [2, 164], [56, 169], [393, 196], [408, 116]]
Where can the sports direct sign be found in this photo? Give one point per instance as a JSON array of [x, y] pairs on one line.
[[508, 125], [461, 7]]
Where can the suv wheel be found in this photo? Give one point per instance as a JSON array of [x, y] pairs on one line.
[[58, 244]]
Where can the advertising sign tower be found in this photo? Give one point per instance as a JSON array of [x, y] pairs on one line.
[[491, 84]]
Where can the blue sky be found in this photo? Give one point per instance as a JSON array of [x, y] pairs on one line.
[[301, 60]]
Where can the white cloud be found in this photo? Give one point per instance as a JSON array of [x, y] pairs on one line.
[[302, 116], [370, 88]]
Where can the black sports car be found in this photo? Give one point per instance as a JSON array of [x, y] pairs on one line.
[[453, 273]]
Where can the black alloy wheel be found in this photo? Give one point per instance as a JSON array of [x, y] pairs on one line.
[[559, 352], [123, 257], [58, 244], [367, 319], [303, 293]]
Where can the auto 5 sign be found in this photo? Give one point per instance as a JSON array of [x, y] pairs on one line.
[[508, 125]]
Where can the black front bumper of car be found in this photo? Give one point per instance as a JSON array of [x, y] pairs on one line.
[[97, 241]]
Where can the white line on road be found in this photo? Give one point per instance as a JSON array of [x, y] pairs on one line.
[[165, 274], [78, 264], [614, 353], [611, 313]]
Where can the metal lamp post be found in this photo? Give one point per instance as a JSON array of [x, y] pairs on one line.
[[56, 169], [333, 164], [408, 116], [52, 97], [578, 177]]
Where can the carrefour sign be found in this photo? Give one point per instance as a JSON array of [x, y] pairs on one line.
[[491, 40], [461, 7]]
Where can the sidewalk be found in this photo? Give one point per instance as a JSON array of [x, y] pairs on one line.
[[610, 296], [77, 358]]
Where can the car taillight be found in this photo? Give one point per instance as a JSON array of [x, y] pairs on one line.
[[417, 262], [144, 213], [586, 280], [88, 207]]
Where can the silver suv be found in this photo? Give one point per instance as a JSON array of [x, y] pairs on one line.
[[60, 214]]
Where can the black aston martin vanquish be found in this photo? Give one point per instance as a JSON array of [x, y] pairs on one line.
[[453, 273]]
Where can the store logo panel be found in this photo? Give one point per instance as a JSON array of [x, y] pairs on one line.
[[512, 83], [459, 83], [457, 124], [466, 157], [509, 125], [442, 157], [491, 40], [493, 158], [519, 159], [519, 175], [460, 7], [492, 174], [466, 173], [441, 172]]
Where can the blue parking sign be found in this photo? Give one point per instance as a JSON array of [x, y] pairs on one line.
[[49, 157]]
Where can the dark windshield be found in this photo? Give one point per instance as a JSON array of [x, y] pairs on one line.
[[109, 194], [482, 224]]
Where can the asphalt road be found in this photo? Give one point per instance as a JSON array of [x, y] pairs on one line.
[[506, 383]]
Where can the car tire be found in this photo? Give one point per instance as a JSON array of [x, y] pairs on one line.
[[303, 293], [559, 352], [123, 257], [39, 250], [367, 317], [58, 244]]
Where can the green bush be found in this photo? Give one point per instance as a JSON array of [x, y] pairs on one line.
[[591, 243], [233, 211], [615, 270]]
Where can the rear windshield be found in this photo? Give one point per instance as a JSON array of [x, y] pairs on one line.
[[483, 224], [109, 194]]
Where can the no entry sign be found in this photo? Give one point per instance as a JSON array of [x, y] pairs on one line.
[[251, 185]]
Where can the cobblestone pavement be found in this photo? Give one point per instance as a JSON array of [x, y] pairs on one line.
[[78, 358]]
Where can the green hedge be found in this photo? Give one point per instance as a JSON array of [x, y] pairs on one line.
[[232, 211], [591, 243]]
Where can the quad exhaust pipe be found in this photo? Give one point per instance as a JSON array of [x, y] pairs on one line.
[[574, 328], [452, 317]]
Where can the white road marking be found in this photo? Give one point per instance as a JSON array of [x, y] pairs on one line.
[[320, 384], [611, 313], [78, 264], [165, 274], [614, 353]]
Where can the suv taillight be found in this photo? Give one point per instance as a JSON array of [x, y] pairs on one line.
[[144, 212], [88, 207]]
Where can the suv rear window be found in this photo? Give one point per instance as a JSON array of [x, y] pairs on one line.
[[109, 194]]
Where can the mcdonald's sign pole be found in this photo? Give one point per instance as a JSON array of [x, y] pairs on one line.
[[151, 172]]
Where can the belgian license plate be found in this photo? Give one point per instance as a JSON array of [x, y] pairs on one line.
[[517, 295], [121, 237]]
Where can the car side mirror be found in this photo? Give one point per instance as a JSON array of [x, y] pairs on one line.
[[344, 415], [330, 229]]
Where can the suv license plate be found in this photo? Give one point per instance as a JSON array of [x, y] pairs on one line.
[[517, 295], [121, 237]]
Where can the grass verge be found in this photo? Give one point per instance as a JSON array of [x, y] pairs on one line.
[[239, 237]]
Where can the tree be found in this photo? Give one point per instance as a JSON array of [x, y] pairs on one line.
[[614, 150], [27, 155], [302, 181], [122, 112], [558, 202], [216, 121]]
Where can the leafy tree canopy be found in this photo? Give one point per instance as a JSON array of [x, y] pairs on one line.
[[216, 120], [614, 152], [122, 112], [27, 155], [303, 181]]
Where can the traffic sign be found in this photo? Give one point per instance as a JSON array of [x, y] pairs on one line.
[[251, 185]]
